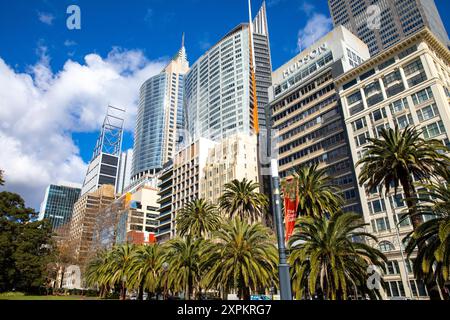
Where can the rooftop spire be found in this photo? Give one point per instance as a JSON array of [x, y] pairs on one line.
[[182, 40]]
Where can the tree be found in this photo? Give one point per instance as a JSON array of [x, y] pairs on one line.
[[324, 259], [432, 238], [183, 256], [145, 269], [242, 198], [198, 218], [118, 265], [243, 257], [97, 272], [316, 195], [25, 245], [396, 158]]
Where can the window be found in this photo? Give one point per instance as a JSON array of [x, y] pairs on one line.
[[395, 289], [361, 139], [392, 267], [397, 201], [386, 246], [353, 98], [382, 224], [428, 112], [359, 124], [404, 222], [407, 52], [399, 105], [377, 206], [422, 96], [433, 130], [404, 121], [413, 67], [380, 127], [379, 114], [386, 64], [418, 286]]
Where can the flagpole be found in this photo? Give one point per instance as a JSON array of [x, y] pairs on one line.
[[283, 266]]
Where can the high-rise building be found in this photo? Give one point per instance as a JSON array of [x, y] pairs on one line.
[[406, 85], [382, 23], [138, 221], [124, 175], [165, 187], [103, 167], [306, 113], [225, 94], [160, 115], [58, 203], [85, 217]]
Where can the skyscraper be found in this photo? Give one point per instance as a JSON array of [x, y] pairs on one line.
[[397, 20], [124, 175], [224, 93], [160, 115], [307, 115], [58, 203], [103, 168]]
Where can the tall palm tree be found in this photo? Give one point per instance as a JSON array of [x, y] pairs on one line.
[[198, 218], [145, 268], [97, 272], [396, 158], [325, 260], [243, 257], [184, 256], [118, 264], [432, 238], [242, 198], [316, 194]]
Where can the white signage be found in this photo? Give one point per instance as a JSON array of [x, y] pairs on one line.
[[304, 60]]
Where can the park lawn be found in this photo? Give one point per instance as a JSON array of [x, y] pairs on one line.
[[22, 297]]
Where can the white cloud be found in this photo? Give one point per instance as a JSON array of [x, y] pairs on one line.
[[70, 43], [46, 18], [316, 27], [39, 110]]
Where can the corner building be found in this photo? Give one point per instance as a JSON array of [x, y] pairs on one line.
[[307, 115], [406, 85]]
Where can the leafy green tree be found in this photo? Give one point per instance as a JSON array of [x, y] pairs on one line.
[[25, 245], [397, 157], [242, 256], [183, 256], [146, 268], [118, 265], [97, 271], [316, 194], [432, 238], [243, 199], [198, 219], [326, 261]]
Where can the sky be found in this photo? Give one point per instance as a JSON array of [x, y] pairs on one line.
[[55, 83]]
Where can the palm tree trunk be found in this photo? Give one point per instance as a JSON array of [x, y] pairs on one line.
[[410, 193], [246, 293], [141, 291]]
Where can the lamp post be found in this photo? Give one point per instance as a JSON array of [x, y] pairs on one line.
[[403, 259], [283, 266]]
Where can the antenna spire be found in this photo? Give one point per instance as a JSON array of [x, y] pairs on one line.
[[182, 40]]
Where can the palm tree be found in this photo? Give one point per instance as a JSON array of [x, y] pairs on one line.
[[242, 198], [324, 259], [396, 158], [96, 272], [145, 268], [243, 257], [184, 256], [432, 238], [316, 195], [198, 218], [118, 264]]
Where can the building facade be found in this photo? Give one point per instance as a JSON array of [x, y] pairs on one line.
[[58, 204], [234, 157], [396, 20], [165, 190], [306, 113], [406, 85], [84, 220], [124, 174], [223, 87], [160, 115]]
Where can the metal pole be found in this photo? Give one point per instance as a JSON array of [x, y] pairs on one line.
[[404, 261], [283, 266]]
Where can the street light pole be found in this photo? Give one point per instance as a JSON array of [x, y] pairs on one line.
[[283, 266], [403, 260]]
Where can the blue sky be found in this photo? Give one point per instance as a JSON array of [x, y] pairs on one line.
[[120, 43]]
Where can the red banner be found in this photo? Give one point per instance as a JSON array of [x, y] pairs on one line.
[[290, 214]]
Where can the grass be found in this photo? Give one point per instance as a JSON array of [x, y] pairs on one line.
[[21, 296]]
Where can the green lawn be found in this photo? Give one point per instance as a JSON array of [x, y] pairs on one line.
[[23, 297]]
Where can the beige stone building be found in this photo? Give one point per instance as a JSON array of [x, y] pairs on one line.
[[84, 219], [407, 84]]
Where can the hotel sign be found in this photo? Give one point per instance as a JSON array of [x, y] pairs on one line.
[[304, 60]]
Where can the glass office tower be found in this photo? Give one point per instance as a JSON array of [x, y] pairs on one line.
[[160, 116]]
